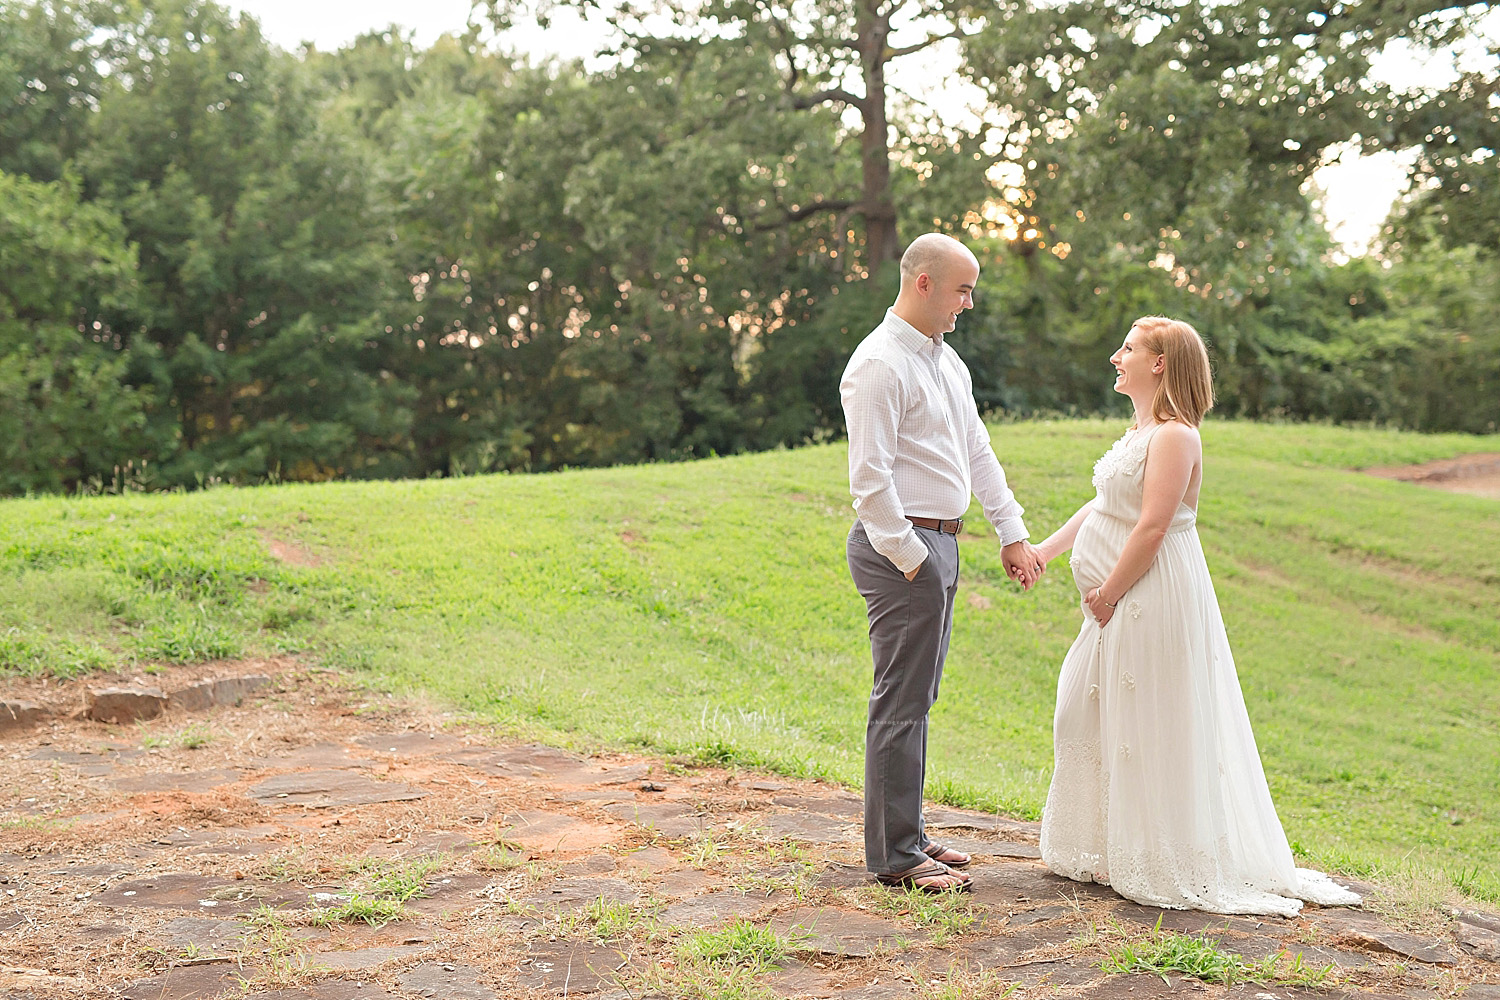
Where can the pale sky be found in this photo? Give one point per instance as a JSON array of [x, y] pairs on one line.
[[1357, 190]]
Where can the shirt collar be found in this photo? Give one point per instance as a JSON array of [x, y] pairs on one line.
[[909, 336]]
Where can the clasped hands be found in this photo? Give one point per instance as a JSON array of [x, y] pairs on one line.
[[1023, 563]]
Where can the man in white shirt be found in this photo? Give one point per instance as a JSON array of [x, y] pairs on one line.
[[917, 450]]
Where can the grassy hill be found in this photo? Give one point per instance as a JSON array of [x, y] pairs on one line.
[[705, 609]]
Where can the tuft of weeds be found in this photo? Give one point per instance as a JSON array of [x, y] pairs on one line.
[[500, 857], [191, 737], [384, 895], [406, 881], [609, 920], [945, 916], [371, 910], [961, 984], [742, 945], [269, 947], [1160, 953]]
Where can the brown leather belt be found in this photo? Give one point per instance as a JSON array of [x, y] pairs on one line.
[[952, 527]]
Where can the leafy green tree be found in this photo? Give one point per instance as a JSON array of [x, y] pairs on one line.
[[265, 264], [53, 59], [67, 418]]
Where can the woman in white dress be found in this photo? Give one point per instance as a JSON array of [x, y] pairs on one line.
[[1158, 789]]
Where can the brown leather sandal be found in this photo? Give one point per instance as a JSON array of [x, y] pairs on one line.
[[935, 851], [916, 878]]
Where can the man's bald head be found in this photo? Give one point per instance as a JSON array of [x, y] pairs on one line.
[[938, 275], [933, 253]]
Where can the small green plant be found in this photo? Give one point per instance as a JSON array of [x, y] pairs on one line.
[[1204, 960], [742, 945], [269, 947], [704, 850], [945, 915], [406, 881], [371, 910], [387, 888], [963, 985], [498, 858], [1477, 883], [196, 735], [608, 919]]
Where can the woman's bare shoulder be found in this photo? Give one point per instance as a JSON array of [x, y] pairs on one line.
[[1176, 436]]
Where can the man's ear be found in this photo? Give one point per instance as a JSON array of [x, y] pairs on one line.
[[924, 283]]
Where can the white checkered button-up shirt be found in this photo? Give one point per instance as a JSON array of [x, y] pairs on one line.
[[916, 443]]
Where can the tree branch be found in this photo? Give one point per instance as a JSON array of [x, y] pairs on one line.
[[802, 212], [907, 50], [804, 101]]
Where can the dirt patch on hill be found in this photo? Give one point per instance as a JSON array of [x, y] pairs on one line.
[[1476, 474], [324, 842]]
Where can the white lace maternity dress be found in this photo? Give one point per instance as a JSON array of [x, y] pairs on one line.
[[1158, 789]]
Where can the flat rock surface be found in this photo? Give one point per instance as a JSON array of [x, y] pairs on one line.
[[333, 788], [326, 844]]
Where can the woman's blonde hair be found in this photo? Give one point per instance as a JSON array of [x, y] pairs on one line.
[[1187, 382]]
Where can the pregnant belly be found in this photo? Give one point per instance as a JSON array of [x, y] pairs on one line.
[[1097, 548]]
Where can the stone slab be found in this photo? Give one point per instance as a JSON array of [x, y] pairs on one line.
[[836, 876], [1037, 915], [829, 931], [207, 694], [205, 895], [558, 833], [325, 789], [712, 909], [192, 982], [323, 755], [1007, 883], [1359, 929], [203, 935], [445, 981], [942, 818], [1010, 849], [1478, 938], [337, 989], [651, 859], [670, 819], [451, 894], [362, 959], [570, 967], [90, 765], [574, 894], [17, 714], [197, 782], [409, 743], [688, 882], [850, 807], [121, 705], [1197, 922], [816, 828]]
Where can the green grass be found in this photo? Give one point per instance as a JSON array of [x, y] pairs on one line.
[[742, 945], [1160, 953], [704, 610]]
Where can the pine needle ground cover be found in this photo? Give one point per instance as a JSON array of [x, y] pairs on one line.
[[704, 610]]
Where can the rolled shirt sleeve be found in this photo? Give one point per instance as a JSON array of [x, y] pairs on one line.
[[873, 403]]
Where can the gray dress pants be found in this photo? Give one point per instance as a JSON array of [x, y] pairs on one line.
[[910, 624]]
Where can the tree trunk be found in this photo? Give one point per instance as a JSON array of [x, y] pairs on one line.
[[883, 245]]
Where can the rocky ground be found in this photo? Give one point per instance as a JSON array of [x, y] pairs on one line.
[[315, 841]]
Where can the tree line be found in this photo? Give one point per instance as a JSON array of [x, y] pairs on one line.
[[225, 262]]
